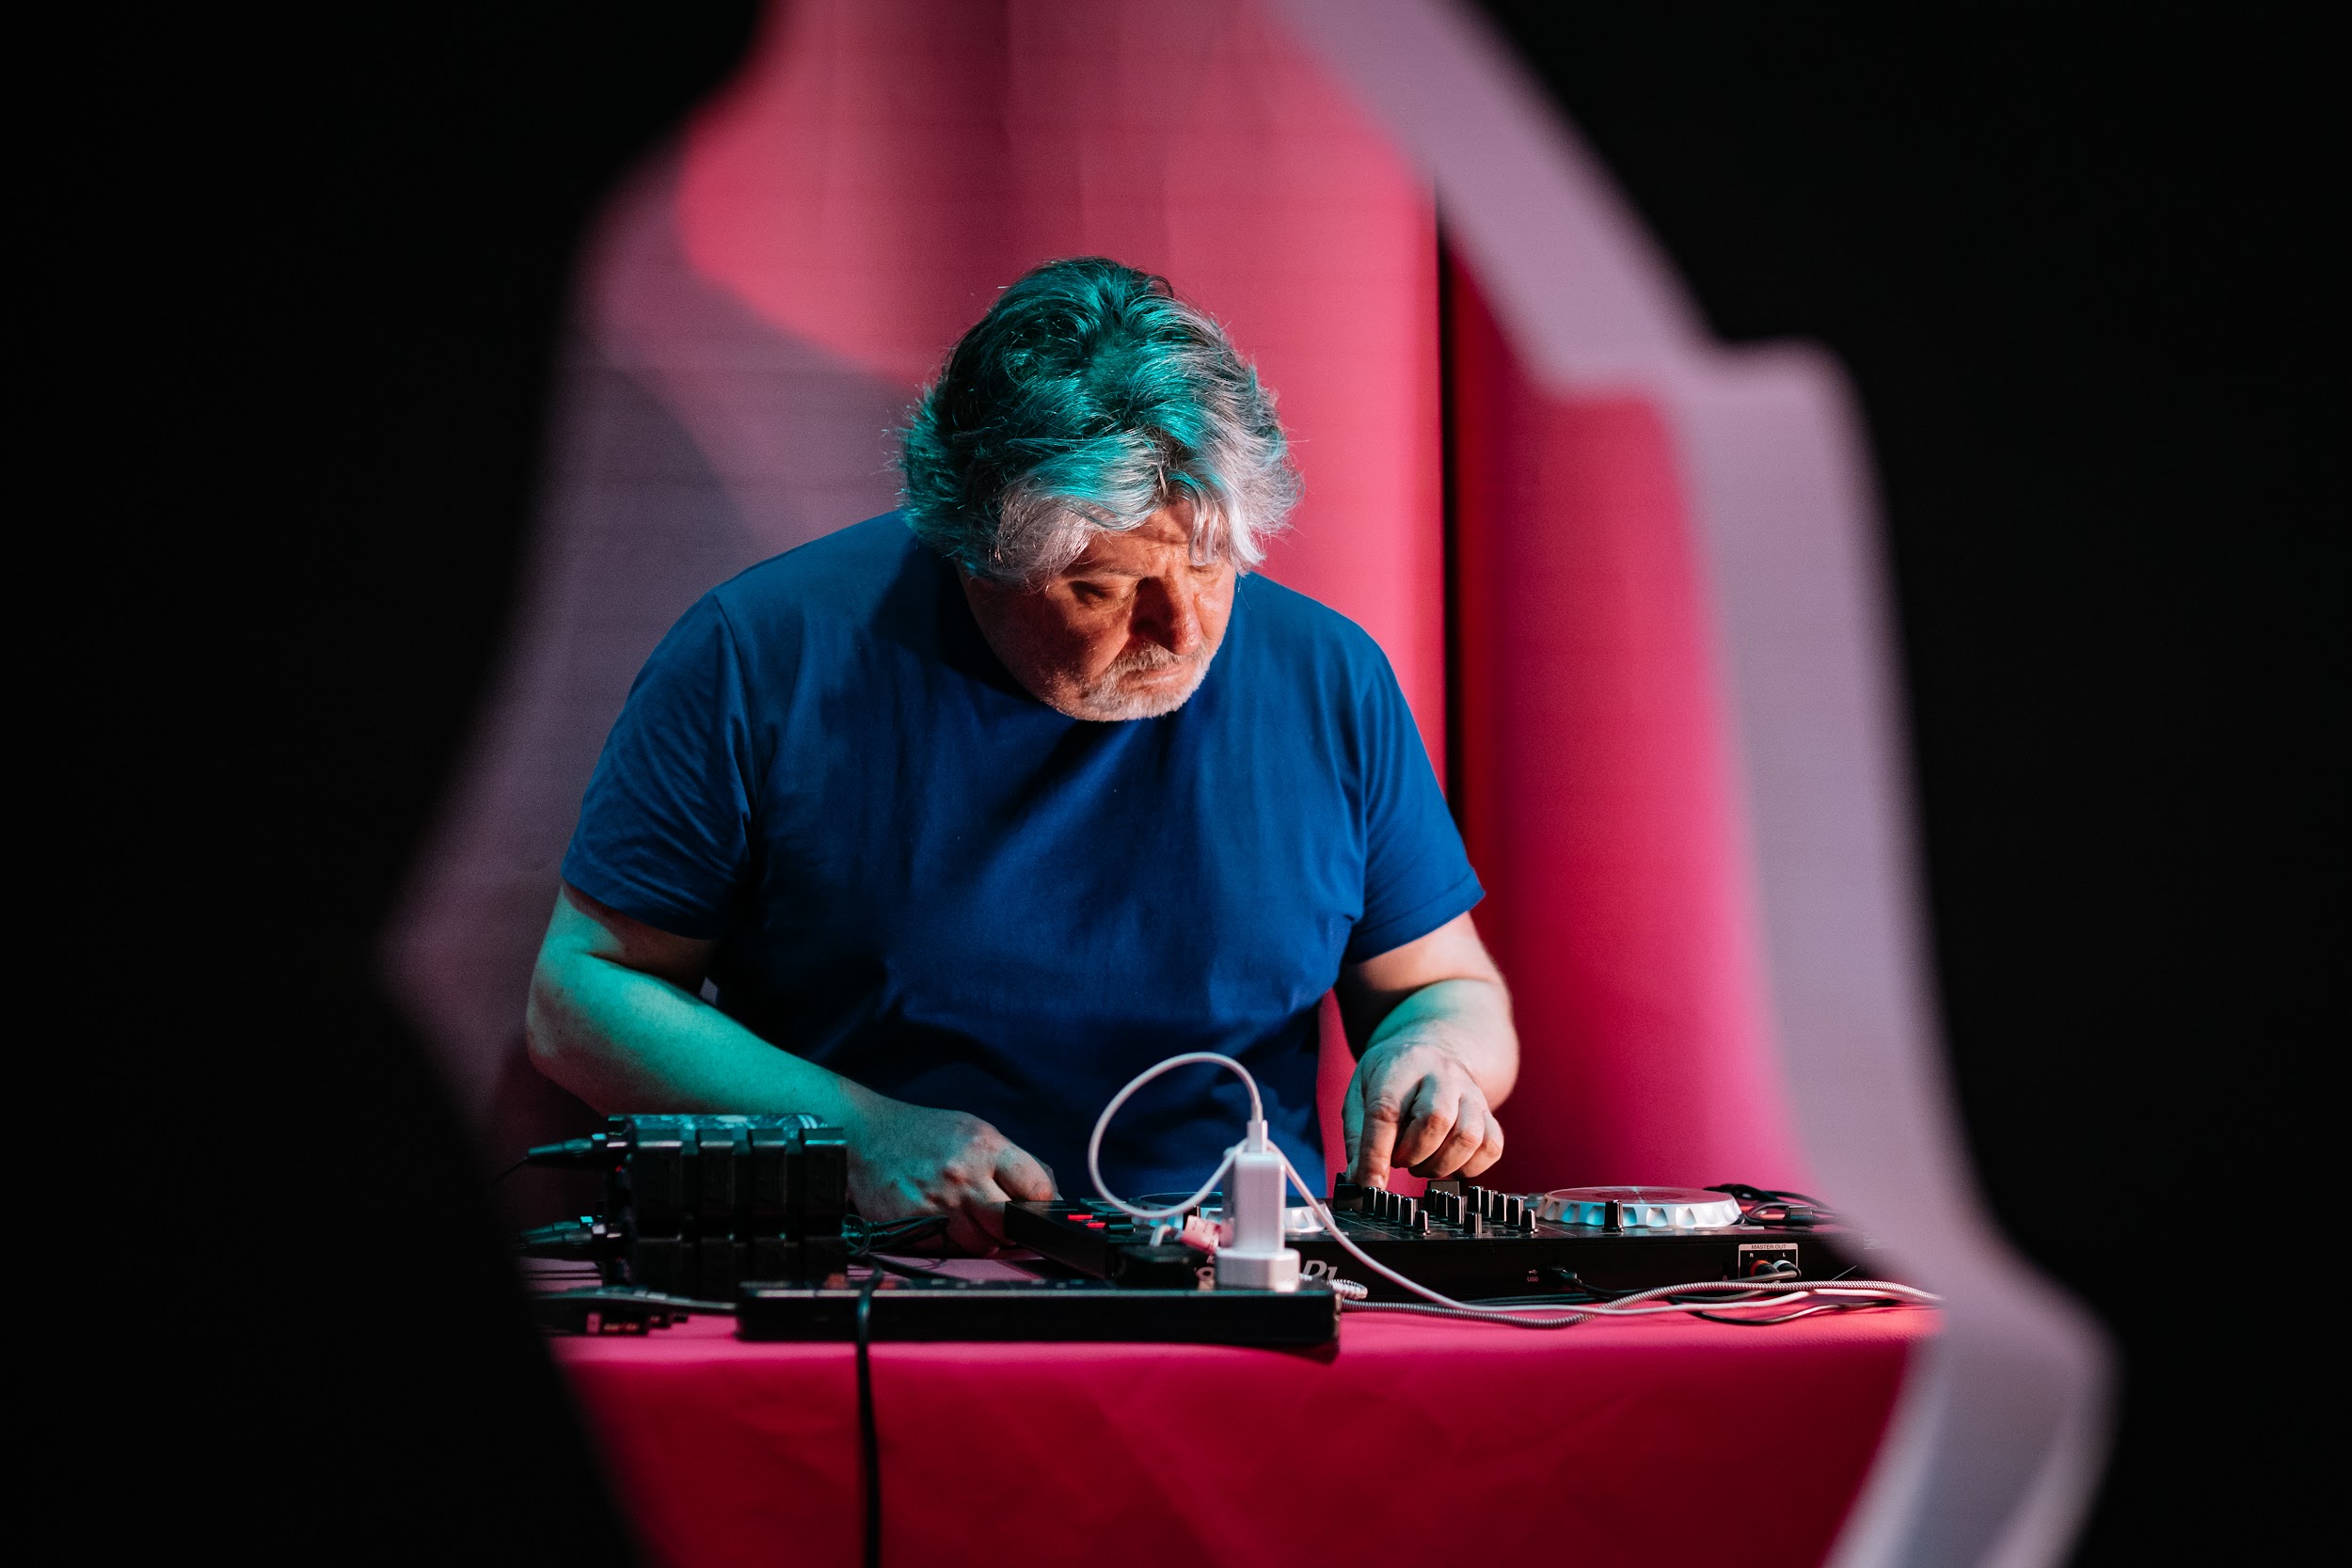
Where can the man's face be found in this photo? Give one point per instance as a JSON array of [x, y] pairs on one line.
[[1125, 631]]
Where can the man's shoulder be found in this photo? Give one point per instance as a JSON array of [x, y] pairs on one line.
[[845, 575], [1293, 627]]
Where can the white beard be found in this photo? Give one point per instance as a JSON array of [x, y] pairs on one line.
[[1106, 701]]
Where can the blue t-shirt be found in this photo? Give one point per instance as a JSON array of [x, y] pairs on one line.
[[921, 876]]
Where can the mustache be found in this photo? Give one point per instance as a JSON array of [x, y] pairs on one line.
[[1147, 659]]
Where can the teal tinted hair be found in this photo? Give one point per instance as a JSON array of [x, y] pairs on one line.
[[1086, 398]]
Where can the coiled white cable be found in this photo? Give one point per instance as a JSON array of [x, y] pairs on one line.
[[1095, 1144]]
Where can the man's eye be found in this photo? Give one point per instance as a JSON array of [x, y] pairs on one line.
[[1092, 593]]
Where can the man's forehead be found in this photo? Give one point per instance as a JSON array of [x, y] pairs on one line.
[[1142, 550]]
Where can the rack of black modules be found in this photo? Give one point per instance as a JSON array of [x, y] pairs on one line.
[[694, 1204], [1476, 1242]]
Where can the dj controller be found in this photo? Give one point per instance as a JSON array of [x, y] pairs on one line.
[[749, 1214], [1474, 1243]]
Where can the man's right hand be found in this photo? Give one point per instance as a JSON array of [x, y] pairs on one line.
[[907, 1160], [613, 1017]]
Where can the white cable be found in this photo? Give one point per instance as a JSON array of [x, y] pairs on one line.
[[1788, 1291], [1095, 1144], [1423, 1309]]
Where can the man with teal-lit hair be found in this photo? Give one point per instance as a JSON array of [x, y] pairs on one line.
[[942, 827]]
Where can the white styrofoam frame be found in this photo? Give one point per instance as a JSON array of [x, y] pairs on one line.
[[2001, 1428]]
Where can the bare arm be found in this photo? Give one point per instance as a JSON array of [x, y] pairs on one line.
[[1430, 1023], [615, 1016]]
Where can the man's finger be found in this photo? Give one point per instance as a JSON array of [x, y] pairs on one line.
[[1352, 1121], [977, 1221], [1489, 1149], [1022, 1174], [1468, 1134], [1429, 1118], [1377, 1137], [966, 1234]]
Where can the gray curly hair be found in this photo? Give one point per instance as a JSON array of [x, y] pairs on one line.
[[1088, 397]]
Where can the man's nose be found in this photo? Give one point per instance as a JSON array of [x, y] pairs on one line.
[[1168, 613]]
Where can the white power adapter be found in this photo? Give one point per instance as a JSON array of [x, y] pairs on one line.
[[1253, 1257]]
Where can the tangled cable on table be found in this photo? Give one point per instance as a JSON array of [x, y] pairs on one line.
[[1698, 1299]]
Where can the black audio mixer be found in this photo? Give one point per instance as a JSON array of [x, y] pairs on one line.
[[696, 1204], [1468, 1243]]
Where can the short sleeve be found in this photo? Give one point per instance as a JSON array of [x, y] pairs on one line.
[[664, 832], [1417, 876]]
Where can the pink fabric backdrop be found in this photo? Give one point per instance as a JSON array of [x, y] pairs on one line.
[[1598, 793]]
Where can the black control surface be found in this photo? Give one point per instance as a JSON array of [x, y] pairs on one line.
[[1466, 1241]]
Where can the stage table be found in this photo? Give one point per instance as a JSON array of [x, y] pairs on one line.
[[1424, 1441]]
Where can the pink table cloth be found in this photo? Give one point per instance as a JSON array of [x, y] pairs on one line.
[[1662, 1441]]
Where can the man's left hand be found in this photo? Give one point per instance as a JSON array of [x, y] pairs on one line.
[[1431, 1025], [1414, 1104]]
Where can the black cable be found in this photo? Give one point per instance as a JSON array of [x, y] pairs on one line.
[[1599, 1293], [891, 1227], [628, 1295], [510, 1170], [870, 1445], [1746, 1194], [1775, 1210], [899, 1234]]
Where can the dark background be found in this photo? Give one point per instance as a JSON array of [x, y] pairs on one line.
[[299, 282], [292, 324], [2081, 265]]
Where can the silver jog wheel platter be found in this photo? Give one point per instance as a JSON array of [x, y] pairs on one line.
[[1640, 1208]]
